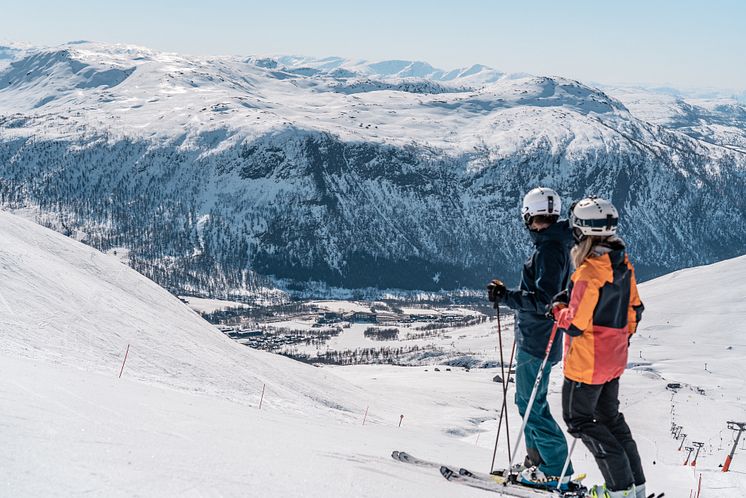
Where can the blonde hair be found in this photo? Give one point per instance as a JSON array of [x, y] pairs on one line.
[[584, 248]]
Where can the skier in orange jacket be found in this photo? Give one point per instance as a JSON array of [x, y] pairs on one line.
[[600, 312]]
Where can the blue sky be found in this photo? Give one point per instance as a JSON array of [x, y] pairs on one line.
[[664, 42]]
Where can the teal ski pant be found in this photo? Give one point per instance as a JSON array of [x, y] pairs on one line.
[[545, 442]]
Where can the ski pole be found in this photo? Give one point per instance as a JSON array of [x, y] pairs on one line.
[[505, 389], [569, 454], [532, 398], [567, 463], [503, 410], [506, 379]]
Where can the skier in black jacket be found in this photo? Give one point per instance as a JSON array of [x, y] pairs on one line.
[[545, 274]]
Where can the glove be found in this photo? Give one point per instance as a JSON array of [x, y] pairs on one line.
[[555, 310], [496, 291], [559, 302], [561, 298]]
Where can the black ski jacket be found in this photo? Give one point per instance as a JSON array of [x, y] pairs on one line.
[[545, 273]]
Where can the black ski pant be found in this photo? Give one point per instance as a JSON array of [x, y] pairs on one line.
[[591, 413]]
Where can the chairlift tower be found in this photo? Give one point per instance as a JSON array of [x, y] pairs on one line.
[[689, 450], [697, 445], [740, 427], [683, 438]]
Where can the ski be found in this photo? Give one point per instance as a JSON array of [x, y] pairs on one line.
[[506, 488], [405, 457], [488, 482], [498, 482], [499, 476]]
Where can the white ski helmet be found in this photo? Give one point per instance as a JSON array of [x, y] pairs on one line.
[[594, 216], [540, 201]]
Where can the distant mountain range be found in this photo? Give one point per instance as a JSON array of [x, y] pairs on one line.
[[219, 172], [337, 67]]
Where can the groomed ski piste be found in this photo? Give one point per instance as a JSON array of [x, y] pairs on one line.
[[184, 418]]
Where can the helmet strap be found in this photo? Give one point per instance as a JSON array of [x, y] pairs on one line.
[[578, 235]]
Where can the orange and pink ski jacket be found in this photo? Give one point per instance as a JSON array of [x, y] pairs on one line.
[[603, 313]]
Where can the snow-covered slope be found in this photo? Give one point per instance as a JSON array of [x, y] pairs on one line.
[[10, 52], [184, 421], [66, 304], [719, 121], [210, 169], [184, 418], [695, 323], [694, 333]]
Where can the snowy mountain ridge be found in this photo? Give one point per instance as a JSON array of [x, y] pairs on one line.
[[715, 120], [338, 67], [217, 172]]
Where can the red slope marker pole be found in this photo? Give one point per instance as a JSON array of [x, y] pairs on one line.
[[124, 361], [261, 400], [366, 414]]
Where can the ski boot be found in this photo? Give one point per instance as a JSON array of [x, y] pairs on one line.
[[602, 492], [640, 490], [515, 470], [535, 478]]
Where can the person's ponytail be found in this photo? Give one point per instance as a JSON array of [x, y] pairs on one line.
[[582, 249]]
